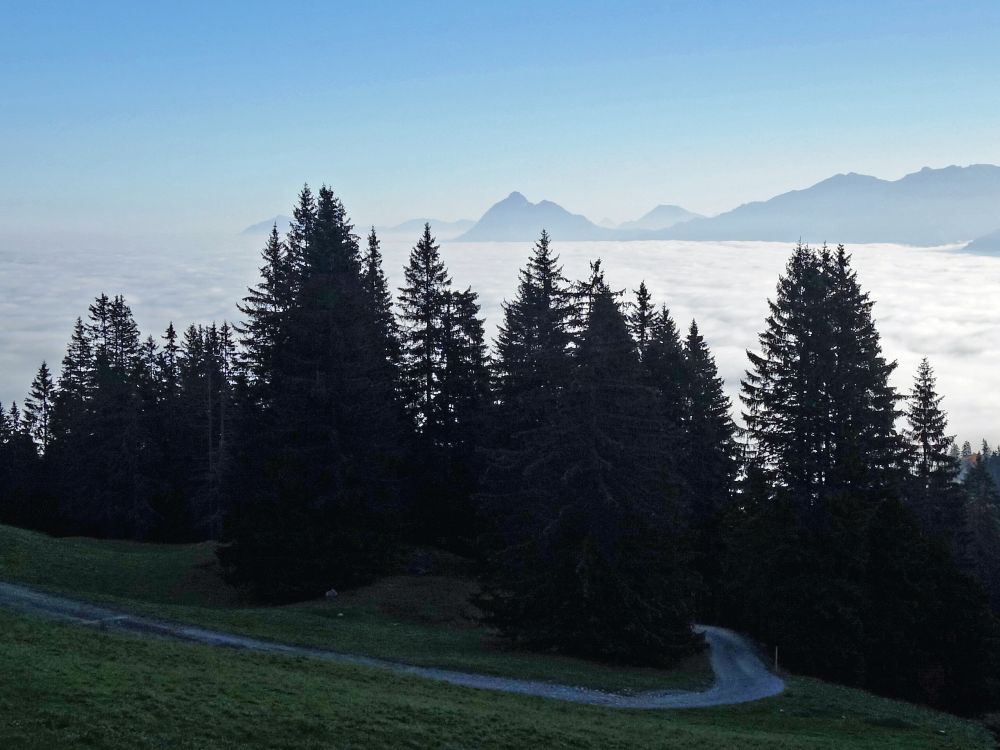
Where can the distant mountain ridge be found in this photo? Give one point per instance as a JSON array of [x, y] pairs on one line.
[[516, 219], [440, 228], [264, 227], [663, 216], [929, 207]]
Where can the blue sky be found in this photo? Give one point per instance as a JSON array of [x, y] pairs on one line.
[[206, 117]]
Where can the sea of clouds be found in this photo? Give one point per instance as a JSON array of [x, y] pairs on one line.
[[934, 302]]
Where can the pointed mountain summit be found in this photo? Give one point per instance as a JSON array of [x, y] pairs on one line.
[[929, 207], [516, 219]]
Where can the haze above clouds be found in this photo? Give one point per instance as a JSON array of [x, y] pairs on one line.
[[929, 301]]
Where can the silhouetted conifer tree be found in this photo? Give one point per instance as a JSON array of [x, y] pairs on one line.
[[932, 491], [38, 408], [533, 362], [318, 479], [379, 297], [422, 302], [641, 318], [824, 505], [264, 307], [590, 557]]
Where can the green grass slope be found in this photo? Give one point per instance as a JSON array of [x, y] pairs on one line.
[[67, 686], [425, 620], [64, 687]]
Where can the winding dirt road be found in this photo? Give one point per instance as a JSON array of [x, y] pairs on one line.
[[740, 676]]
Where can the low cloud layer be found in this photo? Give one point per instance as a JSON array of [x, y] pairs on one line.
[[929, 302]]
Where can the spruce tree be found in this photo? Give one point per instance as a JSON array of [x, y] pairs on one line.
[[589, 557], [932, 490], [377, 288], [315, 487], [20, 468], [105, 467], [823, 505], [665, 364], [38, 408], [710, 451], [708, 463], [422, 302], [820, 411], [979, 540], [641, 318], [263, 308], [533, 361], [75, 385]]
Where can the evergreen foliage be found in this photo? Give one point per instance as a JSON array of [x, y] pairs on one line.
[[592, 464], [932, 490], [979, 540], [809, 561], [38, 408], [380, 298], [641, 318], [316, 487], [532, 364], [591, 556], [422, 304]]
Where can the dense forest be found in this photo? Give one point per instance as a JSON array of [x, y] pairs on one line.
[[587, 459]]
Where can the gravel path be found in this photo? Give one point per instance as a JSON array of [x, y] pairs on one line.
[[740, 675]]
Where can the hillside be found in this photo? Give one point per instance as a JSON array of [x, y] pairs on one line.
[[166, 694], [929, 207]]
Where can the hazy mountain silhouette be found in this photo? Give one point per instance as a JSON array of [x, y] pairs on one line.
[[661, 217], [516, 219], [439, 228], [988, 244], [263, 227], [929, 207]]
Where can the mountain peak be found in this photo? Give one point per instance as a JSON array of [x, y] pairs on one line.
[[663, 216], [516, 219]]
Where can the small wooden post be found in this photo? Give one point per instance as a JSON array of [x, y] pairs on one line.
[[775, 658]]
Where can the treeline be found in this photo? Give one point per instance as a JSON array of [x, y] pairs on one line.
[[589, 462]]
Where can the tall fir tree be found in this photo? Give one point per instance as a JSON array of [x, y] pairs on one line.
[[315, 489], [932, 490], [422, 301], [642, 318], [823, 504], [38, 408], [263, 308], [75, 384], [533, 347], [979, 540], [709, 463], [533, 360], [20, 474], [590, 556], [380, 298], [664, 362], [710, 450]]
